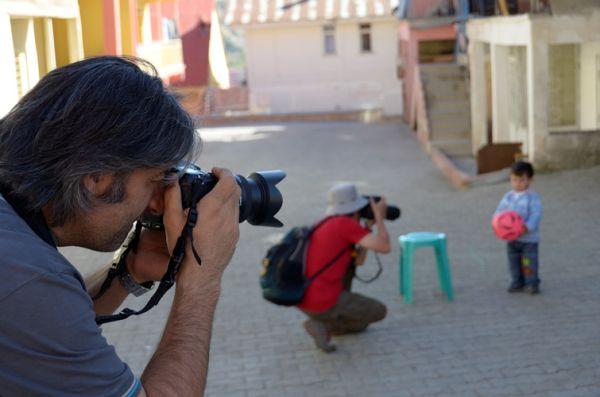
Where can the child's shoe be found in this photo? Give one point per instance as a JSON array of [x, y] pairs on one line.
[[515, 288], [532, 289]]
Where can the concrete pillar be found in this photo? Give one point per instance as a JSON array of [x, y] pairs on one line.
[[538, 80], [500, 82], [49, 51], [496, 84], [74, 40], [8, 73], [478, 95]]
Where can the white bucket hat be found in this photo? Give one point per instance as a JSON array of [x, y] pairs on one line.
[[343, 199]]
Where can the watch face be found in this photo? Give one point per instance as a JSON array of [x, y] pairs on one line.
[[132, 287]]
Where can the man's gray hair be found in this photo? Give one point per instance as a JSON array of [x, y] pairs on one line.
[[99, 115]]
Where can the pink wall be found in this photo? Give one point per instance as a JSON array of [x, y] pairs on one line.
[[112, 27], [194, 28], [428, 8]]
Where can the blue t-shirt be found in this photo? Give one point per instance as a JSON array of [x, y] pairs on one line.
[[529, 206], [50, 344]]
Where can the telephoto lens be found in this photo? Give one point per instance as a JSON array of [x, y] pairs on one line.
[[391, 214], [260, 199]]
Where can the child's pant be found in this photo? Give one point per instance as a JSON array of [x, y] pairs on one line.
[[523, 263]]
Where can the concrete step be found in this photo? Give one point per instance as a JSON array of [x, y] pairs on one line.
[[442, 69], [426, 78], [443, 108], [450, 120], [450, 127], [453, 147], [449, 89]]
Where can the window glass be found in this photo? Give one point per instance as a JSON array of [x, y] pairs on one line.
[[365, 37], [329, 39]]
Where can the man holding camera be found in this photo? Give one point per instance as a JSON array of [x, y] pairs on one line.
[[328, 302], [83, 156]]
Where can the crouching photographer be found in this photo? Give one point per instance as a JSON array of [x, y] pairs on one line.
[[342, 242]]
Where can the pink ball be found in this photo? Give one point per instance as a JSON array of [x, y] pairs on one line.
[[508, 225]]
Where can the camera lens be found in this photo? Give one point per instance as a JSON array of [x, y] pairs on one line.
[[392, 213], [260, 198], [259, 202]]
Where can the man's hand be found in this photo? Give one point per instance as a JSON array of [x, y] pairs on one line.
[[149, 262], [379, 209], [217, 229], [180, 364], [378, 241]]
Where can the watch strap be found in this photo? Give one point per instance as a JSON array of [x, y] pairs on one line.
[[132, 286]]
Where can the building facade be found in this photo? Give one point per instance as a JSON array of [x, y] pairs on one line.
[[535, 80], [319, 56], [35, 37]]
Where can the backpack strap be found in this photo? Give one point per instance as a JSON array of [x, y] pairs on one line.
[[331, 262]]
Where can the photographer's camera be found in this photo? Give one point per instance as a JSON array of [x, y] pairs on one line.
[[259, 202]]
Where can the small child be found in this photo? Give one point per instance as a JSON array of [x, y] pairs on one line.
[[523, 252]]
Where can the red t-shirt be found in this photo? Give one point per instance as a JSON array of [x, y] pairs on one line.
[[325, 244]]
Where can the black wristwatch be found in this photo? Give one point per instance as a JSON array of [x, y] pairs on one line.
[[132, 286]]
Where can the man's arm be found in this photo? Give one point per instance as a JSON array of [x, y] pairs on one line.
[[148, 263], [180, 364], [378, 241], [112, 298]]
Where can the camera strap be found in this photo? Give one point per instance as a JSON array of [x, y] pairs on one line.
[[168, 279], [377, 274]]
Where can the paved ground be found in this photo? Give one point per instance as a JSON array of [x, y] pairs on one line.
[[485, 343]]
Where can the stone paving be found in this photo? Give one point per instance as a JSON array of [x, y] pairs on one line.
[[485, 343]]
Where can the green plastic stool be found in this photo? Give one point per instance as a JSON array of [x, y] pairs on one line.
[[408, 244]]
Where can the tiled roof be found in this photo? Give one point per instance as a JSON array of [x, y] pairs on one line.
[[247, 12]]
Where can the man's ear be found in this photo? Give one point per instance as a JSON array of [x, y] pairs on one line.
[[98, 184]]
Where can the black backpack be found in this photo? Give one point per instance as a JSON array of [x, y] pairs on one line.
[[283, 280]]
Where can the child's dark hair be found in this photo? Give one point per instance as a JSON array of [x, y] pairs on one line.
[[521, 167]]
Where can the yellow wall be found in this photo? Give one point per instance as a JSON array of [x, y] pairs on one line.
[[61, 41], [126, 28], [92, 27]]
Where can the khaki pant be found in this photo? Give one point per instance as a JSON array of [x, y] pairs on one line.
[[352, 313]]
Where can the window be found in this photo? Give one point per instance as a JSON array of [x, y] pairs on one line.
[[169, 29], [365, 37], [329, 39], [563, 70]]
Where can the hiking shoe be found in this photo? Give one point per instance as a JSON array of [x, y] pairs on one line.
[[319, 333], [532, 289], [515, 288]]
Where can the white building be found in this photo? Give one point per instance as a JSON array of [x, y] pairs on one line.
[[319, 55], [535, 80], [36, 36]]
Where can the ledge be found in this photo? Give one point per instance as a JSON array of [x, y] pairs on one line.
[[462, 174]]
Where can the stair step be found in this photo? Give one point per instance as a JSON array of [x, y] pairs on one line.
[[441, 69], [449, 118], [441, 107], [458, 147]]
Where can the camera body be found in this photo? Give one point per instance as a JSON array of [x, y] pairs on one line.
[[391, 214], [259, 202]]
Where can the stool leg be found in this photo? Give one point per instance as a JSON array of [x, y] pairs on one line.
[[401, 271], [443, 266], [407, 266]]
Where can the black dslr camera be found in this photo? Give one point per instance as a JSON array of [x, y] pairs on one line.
[[391, 214], [259, 202]]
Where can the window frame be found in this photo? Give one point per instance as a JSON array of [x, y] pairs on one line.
[[329, 42], [365, 31]]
